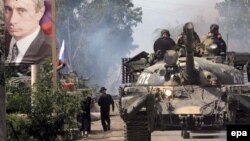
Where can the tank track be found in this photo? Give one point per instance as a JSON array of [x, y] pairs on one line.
[[242, 116], [136, 129]]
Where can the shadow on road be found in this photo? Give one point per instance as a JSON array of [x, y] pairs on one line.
[[207, 136]]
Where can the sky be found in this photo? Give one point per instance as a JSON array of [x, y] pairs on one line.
[[164, 13]]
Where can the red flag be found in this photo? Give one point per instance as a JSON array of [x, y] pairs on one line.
[[46, 21]]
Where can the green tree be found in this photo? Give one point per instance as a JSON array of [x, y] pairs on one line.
[[52, 112]]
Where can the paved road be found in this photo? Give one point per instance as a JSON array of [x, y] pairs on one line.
[[175, 136], [116, 134]]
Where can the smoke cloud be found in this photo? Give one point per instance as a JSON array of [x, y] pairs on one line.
[[172, 14], [96, 45]]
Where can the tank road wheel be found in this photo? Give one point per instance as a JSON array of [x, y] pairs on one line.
[[237, 113], [136, 129], [243, 116]]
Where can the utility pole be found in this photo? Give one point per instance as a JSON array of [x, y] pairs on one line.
[[34, 73], [35, 67], [2, 113], [2, 89], [53, 43]]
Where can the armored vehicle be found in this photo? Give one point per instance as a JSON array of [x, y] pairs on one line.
[[181, 93]]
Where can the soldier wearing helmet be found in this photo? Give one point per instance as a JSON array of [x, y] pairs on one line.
[[214, 37], [165, 33], [181, 44], [164, 42]]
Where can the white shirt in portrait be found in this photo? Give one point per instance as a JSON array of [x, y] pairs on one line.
[[22, 45]]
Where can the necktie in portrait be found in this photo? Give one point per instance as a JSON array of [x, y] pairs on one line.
[[13, 54]]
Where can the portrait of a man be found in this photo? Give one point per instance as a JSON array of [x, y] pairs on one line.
[[26, 42]]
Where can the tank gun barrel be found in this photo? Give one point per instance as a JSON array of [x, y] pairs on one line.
[[190, 68]]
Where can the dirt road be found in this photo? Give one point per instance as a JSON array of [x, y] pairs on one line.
[[97, 134], [117, 131]]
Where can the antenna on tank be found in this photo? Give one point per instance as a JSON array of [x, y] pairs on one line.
[[227, 49], [227, 42]]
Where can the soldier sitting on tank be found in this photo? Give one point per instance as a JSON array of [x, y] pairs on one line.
[[214, 38], [181, 44], [161, 45], [164, 42]]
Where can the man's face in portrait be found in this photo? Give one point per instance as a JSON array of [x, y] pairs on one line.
[[22, 17]]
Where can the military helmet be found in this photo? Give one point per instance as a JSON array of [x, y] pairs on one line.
[[214, 27], [185, 27], [165, 31]]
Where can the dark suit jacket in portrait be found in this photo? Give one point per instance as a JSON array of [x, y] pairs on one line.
[[39, 49]]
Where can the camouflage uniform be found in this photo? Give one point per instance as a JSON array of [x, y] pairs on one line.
[[214, 37], [211, 38], [181, 44]]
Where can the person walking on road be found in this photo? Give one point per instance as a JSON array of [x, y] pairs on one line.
[[85, 116], [104, 102]]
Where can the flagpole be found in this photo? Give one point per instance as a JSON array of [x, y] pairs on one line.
[[53, 43]]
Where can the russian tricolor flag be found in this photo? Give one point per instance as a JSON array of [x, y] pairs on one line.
[[61, 53]]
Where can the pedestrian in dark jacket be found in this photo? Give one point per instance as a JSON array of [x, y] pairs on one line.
[[104, 102], [85, 116]]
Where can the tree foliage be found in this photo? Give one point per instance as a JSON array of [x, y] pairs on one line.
[[52, 112]]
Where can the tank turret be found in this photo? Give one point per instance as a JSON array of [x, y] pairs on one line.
[[182, 93]]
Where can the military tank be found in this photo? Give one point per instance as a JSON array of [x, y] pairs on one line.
[[181, 93]]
